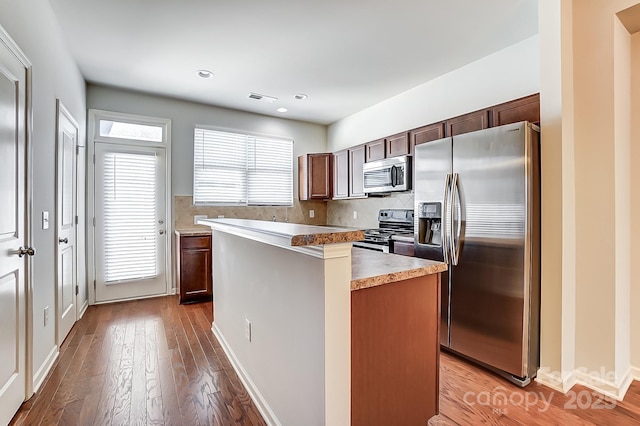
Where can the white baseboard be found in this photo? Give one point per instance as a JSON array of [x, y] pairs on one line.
[[636, 373], [41, 373], [610, 389], [554, 382], [83, 309], [591, 381], [265, 410]]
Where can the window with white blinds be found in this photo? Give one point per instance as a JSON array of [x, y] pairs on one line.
[[129, 216], [242, 169]]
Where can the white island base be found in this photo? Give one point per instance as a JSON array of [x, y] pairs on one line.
[[282, 313]]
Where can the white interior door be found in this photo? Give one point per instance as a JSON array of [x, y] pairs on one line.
[[66, 151], [130, 228], [12, 232]]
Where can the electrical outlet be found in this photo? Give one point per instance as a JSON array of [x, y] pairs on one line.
[[355, 214], [312, 213], [46, 316], [247, 329], [220, 216], [197, 217]]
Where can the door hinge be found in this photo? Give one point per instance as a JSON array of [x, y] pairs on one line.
[[77, 289], [94, 284], [77, 149], [94, 159], [94, 222], [76, 219]]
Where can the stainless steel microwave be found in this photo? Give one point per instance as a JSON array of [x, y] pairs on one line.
[[390, 174]]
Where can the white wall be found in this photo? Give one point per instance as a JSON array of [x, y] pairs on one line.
[[635, 203], [587, 318], [297, 362], [505, 75], [32, 25], [185, 115]]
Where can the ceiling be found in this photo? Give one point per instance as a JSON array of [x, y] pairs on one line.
[[346, 55]]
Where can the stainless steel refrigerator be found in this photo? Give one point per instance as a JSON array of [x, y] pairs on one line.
[[477, 207]]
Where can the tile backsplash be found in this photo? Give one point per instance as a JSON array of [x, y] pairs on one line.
[[340, 212], [184, 210], [335, 212]]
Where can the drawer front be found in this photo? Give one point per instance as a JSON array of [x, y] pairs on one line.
[[195, 242]]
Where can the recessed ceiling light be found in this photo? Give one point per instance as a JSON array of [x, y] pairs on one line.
[[205, 74], [281, 109], [300, 96]]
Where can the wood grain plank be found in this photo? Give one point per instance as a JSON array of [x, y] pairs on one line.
[[152, 375], [91, 401], [138, 409], [83, 385], [122, 398]]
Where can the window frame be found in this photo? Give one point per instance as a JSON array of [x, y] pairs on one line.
[[247, 135]]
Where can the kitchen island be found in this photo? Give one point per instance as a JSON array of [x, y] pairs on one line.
[[321, 333]]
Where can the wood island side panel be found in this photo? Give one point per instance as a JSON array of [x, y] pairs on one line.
[[395, 352]]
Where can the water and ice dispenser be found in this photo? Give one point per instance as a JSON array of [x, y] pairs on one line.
[[430, 224]]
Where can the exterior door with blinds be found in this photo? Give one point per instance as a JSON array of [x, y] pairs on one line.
[[130, 228]]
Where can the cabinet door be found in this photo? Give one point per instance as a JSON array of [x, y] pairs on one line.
[[471, 122], [320, 175], [397, 145], [195, 278], [425, 134], [523, 109], [356, 178], [375, 150], [341, 174]]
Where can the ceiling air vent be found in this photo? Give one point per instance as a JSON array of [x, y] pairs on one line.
[[263, 98]]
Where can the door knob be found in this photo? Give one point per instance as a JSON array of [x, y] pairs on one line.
[[29, 251], [161, 232], [63, 240]]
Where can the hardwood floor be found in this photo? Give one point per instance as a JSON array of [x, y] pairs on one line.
[[154, 362], [470, 395], [150, 362]]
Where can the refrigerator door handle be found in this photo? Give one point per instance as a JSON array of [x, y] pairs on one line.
[[443, 224], [455, 233]]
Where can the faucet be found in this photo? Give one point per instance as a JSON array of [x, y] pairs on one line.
[[273, 219]]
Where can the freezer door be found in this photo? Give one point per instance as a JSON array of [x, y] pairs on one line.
[[432, 167], [489, 284]]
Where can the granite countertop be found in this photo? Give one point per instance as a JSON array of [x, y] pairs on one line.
[[296, 235], [371, 268], [192, 232]]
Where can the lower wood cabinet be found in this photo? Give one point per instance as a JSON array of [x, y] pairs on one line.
[[193, 267], [395, 352]]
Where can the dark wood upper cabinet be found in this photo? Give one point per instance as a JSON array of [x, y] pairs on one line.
[[523, 109], [466, 123], [375, 150], [425, 134], [341, 174], [397, 145], [193, 269], [315, 176], [356, 177]]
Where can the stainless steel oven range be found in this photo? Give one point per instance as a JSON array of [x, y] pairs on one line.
[[392, 224]]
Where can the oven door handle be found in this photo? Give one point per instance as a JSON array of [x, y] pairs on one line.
[[394, 176]]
